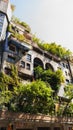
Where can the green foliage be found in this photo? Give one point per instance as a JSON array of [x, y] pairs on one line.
[[38, 72], [69, 109], [19, 37], [17, 21], [55, 49], [14, 76], [5, 94], [15, 34], [10, 29], [5, 81], [5, 97], [53, 78], [69, 91], [7, 85], [66, 109], [36, 40], [52, 48], [26, 26], [34, 98]]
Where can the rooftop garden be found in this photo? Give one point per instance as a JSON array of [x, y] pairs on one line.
[[53, 48], [23, 24], [14, 33]]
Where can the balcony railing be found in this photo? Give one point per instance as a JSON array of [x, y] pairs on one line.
[[5, 115]]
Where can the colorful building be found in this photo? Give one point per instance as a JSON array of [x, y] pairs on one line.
[[27, 55]]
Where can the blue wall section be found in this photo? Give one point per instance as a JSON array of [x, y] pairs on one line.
[[6, 42]]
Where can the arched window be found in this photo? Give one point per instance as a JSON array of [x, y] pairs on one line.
[[49, 66], [38, 62]]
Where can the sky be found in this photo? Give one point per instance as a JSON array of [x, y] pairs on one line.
[[50, 20]]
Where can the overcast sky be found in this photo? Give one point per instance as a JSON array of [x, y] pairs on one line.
[[50, 20]]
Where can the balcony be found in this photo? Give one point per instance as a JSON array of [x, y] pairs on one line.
[[22, 45]]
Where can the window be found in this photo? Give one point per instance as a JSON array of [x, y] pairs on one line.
[[22, 64], [66, 73], [7, 71], [13, 28], [11, 59], [12, 48], [28, 66], [67, 81], [1, 15], [63, 64], [67, 66], [29, 57]]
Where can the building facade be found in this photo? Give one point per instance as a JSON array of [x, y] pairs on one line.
[[27, 55], [5, 17]]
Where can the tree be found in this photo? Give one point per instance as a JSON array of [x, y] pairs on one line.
[[35, 97], [69, 95], [69, 91], [53, 78], [38, 72]]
